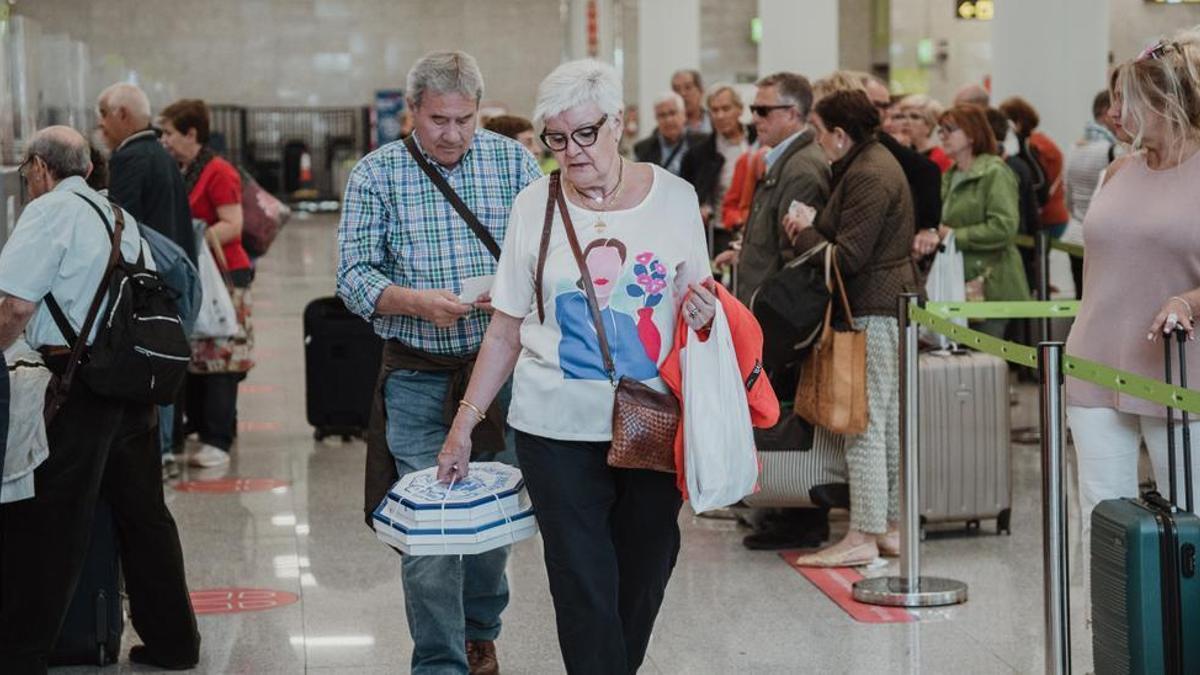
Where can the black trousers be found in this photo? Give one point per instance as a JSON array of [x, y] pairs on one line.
[[98, 446], [212, 407], [611, 537]]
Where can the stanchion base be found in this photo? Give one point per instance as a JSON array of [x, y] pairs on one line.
[[897, 592]]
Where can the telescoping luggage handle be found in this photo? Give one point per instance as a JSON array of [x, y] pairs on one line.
[[1181, 339]]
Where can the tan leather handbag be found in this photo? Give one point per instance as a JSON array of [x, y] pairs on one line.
[[833, 381], [644, 420]]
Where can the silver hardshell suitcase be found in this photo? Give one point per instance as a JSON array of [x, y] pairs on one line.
[[966, 458]]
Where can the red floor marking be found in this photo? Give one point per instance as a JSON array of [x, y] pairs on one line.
[[238, 600], [259, 426], [836, 583], [257, 389], [230, 485]]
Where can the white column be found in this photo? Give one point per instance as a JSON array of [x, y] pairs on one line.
[[1055, 55], [800, 37], [668, 39]]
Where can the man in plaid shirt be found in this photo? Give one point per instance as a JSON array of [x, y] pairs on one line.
[[404, 253]]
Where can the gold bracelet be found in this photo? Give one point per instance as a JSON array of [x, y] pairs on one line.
[[1191, 314], [479, 416]]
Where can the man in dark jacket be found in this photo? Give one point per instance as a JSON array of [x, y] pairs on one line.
[[923, 175], [143, 178], [708, 166], [670, 141]]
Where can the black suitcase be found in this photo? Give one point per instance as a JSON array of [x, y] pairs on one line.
[[1145, 587], [341, 358], [91, 632]]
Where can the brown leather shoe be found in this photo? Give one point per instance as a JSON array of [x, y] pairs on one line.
[[481, 657]]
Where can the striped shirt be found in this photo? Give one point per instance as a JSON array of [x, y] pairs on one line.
[[397, 229]]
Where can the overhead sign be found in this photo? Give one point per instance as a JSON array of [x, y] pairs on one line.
[[976, 10]]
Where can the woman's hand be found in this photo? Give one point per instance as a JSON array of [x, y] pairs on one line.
[[699, 308], [1176, 312], [795, 222], [454, 460], [925, 242]]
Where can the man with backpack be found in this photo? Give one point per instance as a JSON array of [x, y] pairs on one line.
[[102, 445]]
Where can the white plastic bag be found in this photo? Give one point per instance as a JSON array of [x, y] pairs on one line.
[[28, 378], [217, 317], [718, 441], [946, 283]]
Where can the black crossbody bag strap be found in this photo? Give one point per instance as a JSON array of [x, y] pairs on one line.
[[75, 340], [451, 196]]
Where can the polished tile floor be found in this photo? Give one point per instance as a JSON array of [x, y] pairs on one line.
[[728, 610]]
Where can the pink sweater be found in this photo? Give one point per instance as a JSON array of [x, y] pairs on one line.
[[1142, 238]]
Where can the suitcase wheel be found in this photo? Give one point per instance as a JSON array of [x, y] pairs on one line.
[[973, 526], [318, 434], [1003, 522]]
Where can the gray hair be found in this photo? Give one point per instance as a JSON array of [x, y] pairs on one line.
[[577, 83], [65, 151], [672, 98], [445, 73], [127, 96], [792, 88], [724, 89]]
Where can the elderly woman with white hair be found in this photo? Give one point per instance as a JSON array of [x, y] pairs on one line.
[[622, 242], [920, 114]]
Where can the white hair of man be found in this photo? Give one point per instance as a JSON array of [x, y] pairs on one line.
[[130, 97], [577, 83], [64, 150], [445, 73], [670, 97]]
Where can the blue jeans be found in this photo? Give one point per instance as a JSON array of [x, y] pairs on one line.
[[166, 428], [448, 599]]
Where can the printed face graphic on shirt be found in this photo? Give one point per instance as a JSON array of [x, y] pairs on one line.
[[627, 304]]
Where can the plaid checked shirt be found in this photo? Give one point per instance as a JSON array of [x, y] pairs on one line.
[[398, 229]]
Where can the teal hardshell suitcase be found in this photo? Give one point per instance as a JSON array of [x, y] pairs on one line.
[[1145, 590]]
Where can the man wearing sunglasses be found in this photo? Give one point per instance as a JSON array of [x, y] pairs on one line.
[[796, 172]]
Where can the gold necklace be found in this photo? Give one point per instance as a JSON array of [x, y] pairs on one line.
[[604, 201]]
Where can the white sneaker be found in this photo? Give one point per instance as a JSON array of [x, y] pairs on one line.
[[208, 456]]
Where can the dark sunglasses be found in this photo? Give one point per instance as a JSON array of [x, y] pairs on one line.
[[765, 110], [584, 137]]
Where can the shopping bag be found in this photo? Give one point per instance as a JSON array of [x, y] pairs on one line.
[[217, 317], [946, 283], [262, 216], [718, 440]]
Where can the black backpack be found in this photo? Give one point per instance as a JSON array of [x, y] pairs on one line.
[[790, 308], [140, 352]]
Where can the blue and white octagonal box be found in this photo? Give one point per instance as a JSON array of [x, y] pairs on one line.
[[490, 509]]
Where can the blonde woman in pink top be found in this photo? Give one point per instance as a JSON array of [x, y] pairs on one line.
[[1141, 274]]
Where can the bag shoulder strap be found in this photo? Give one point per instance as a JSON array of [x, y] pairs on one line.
[[544, 246], [451, 196], [78, 341], [588, 287]]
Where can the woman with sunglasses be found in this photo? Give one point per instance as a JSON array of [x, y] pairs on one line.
[[980, 204], [611, 535]]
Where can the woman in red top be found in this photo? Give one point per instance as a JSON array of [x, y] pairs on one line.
[[215, 196], [1038, 147]]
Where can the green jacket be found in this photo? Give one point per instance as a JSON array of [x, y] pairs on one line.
[[982, 207]]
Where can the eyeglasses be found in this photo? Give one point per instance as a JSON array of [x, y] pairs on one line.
[[947, 129], [765, 110], [882, 106], [914, 116], [584, 137], [28, 164]]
